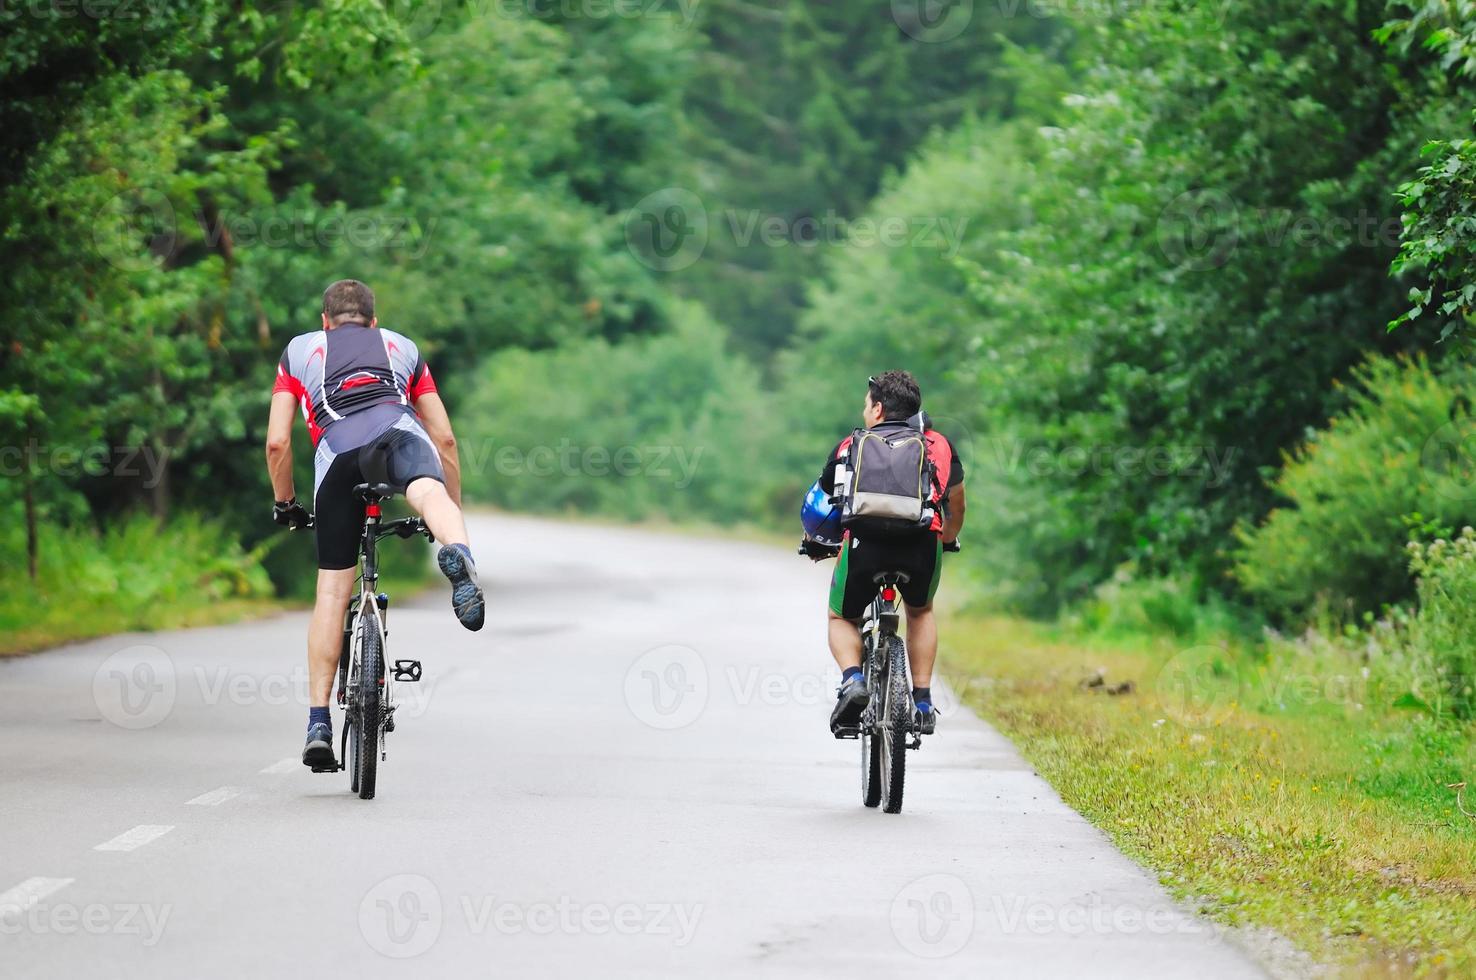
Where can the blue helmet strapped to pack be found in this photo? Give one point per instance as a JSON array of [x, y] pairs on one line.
[[821, 518]]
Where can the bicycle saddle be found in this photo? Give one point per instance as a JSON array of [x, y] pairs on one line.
[[891, 578], [372, 493]]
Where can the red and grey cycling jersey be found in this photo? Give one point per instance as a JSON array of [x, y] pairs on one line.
[[353, 382]]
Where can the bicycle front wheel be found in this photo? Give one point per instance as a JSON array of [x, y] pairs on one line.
[[871, 743], [371, 689]]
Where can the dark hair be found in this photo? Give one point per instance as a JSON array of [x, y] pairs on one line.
[[898, 395], [348, 298]]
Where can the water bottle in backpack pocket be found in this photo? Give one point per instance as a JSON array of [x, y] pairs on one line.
[[889, 480]]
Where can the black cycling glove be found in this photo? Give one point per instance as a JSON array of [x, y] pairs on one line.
[[291, 514], [815, 551]]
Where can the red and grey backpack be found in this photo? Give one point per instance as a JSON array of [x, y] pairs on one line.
[[888, 484]]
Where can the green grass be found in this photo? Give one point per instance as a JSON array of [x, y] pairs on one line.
[[138, 575], [1274, 786]]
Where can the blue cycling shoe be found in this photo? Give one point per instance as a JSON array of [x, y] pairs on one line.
[[851, 700], [926, 718], [317, 754], [466, 594]]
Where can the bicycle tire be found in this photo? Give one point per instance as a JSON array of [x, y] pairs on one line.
[[371, 685], [871, 778], [353, 759], [894, 721]]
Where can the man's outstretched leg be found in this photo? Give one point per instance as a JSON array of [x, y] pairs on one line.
[[430, 499], [922, 652], [845, 647], [325, 641]]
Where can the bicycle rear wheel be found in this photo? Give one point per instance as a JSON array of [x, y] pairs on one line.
[[366, 728], [894, 719]]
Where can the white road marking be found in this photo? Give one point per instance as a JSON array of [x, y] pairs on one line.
[[135, 838], [290, 764], [15, 901], [215, 797]]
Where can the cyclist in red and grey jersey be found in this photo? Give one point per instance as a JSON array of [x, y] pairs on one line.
[[892, 400], [374, 416]]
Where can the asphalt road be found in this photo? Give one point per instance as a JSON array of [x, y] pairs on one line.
[[626, 774]]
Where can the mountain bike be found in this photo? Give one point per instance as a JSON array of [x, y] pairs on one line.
[[366, 692], [888, 725]]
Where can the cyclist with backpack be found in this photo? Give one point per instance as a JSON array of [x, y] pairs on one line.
[[890, 499]]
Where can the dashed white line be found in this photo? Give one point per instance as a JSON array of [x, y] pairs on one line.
[[289, 764], [137, 837], [15, 901], [215, 797]]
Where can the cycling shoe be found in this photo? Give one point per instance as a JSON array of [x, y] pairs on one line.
[[466, 595]]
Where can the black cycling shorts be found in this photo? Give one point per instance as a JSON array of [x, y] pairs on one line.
[[398, 457], [918, 555]]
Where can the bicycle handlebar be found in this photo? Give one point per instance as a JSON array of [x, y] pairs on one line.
[[406, 527], [815, 551]]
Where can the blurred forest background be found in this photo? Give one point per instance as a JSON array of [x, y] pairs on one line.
[[1143, 256]]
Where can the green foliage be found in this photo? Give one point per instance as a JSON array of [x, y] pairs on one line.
[[1437, 240], [800, 111], [1440, 632], [1130, 608], [1438, 37], [135, 575], [646, 428], [1196, 275], [1336, 540]]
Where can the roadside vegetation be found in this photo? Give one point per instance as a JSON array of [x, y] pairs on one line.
[[1295, 786], [135, 576]]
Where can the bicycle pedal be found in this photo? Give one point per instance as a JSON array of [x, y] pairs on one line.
[[846, 731], [407, 671]]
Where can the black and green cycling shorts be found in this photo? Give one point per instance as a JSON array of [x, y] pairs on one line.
[[918, 555]]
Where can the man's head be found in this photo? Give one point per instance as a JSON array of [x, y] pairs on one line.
[[348, 301], [892, 396]]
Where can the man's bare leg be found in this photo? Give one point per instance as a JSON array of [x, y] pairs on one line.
[[431, 501], [922, 644], [845, 641], [845, 647], [429, 497], [325, 632], [325, 641], [922, 651]]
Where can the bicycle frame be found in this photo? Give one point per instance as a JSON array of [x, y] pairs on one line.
[[371, 604], [882, 619]]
